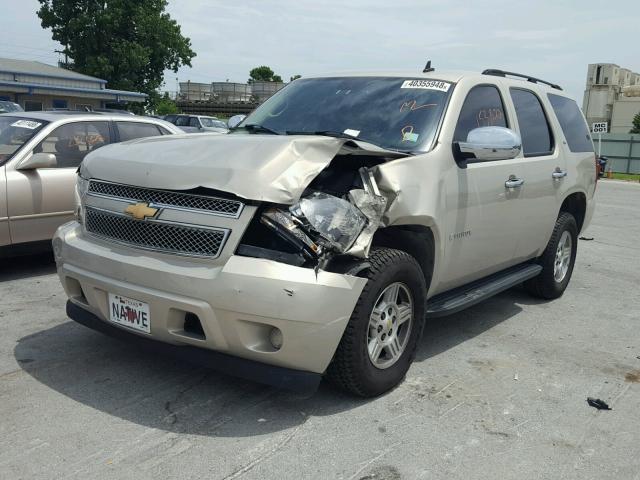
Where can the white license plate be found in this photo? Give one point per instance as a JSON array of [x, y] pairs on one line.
[[129, 312]]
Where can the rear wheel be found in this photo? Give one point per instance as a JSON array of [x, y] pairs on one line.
[[380, 340], [557, 261]]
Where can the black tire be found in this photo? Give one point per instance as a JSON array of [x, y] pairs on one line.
[[545, 284], [351, 368]]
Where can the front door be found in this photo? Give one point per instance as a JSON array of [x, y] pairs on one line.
[[42, 199], [484, 222]]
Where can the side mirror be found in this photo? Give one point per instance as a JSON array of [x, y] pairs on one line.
[[234, 121], [489, 143], [39, 160]]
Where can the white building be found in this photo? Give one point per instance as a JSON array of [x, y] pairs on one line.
[[611, 95]]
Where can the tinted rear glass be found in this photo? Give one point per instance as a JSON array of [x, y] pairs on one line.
[[534, 128], [132, 130], [572, 122]]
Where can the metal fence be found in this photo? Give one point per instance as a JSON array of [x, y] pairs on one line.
[[623, 151], [223, 109]]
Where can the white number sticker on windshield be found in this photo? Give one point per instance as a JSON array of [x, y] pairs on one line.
[[31, 125], [427, 85]]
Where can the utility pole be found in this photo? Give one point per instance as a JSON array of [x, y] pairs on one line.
[[66, 58]]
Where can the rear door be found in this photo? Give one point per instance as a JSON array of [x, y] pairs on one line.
[[40, 200], [544, 171]]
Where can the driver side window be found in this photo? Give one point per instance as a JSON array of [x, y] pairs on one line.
[[483, 107], [71, 142]]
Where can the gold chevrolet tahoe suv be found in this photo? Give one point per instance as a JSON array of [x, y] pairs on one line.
[[316, 238]]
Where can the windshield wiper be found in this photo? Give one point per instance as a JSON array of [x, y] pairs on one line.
[[254, 127]]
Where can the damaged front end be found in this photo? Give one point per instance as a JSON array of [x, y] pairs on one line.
[[333, 222]]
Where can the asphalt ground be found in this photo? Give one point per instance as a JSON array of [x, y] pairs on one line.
[[497, 391]]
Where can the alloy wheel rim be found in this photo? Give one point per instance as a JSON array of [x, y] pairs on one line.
[[563, 257], [390, 325]]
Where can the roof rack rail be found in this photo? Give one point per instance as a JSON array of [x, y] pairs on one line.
[[502, 73]]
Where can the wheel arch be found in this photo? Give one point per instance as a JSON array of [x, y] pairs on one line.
[[416, 240], [576, 205]]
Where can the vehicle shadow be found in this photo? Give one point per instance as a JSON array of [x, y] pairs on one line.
[[441, 334], [114, 378], [15, 268]]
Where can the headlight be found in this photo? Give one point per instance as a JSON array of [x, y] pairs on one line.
[[337, 221], [82, 186], [285, 225]]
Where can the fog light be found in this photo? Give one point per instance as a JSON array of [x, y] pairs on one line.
[[275, 337]]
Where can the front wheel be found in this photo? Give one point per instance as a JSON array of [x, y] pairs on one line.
[[557, 261], [380, 340]]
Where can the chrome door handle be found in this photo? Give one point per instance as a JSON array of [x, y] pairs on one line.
[[558, 174], [514, 182]]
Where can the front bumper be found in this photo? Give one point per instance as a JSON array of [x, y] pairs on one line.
[[238, 301], [303, 382]]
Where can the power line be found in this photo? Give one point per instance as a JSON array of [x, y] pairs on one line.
[[24, 47]]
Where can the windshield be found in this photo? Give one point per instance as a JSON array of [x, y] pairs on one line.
[[394, 113], [9, 107], [15, 132], [210, 122]]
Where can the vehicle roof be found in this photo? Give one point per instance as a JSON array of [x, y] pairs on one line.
[[81, 116], [453, 76], [192, 115]]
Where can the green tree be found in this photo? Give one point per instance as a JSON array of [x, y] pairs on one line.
[[128, 43], [165, 105], [636, 124], [263, 74], [295, 77]]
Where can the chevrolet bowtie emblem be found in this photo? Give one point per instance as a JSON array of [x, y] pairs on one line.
[[140, 211]]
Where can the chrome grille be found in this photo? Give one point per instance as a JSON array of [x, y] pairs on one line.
[[214, 205], [153, 235]]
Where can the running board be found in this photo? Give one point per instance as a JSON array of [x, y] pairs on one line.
[[462, 297]]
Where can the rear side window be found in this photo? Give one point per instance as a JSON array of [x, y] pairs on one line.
[[572, 123], [131, 130], [483, 107], [182, 121], [534, 127]]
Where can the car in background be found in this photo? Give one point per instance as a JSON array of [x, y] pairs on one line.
[[39, 155], [199, 124], [6, 106]]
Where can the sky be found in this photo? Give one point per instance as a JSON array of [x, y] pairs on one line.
[[552, 40]]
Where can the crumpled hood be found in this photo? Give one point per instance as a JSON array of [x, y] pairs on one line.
[[270, 168]]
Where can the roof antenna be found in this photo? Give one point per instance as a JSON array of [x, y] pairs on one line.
[[428, 68]]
